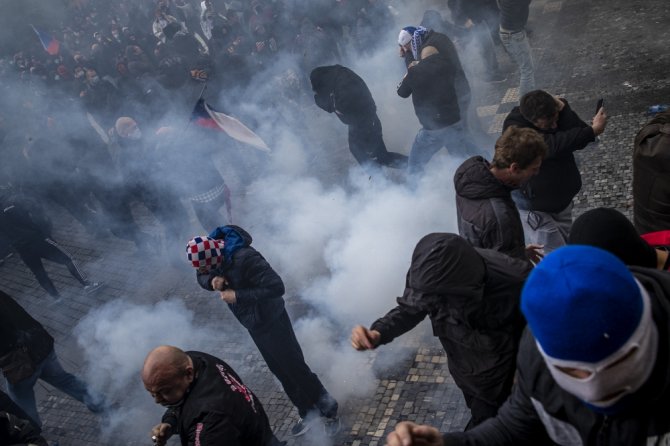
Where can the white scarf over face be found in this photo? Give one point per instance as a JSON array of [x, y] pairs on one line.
[[619, 374]]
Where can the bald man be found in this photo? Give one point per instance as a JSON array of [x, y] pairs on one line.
[[207, 403]]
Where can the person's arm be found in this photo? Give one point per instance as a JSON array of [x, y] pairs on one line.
[[205, 280], [407, 433], [573, 133], [397, 322], [264, 282], [168, 426], [404, 88]]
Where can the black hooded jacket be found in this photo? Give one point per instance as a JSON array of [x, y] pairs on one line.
[[558, 181], [538, 407], [431, 83], [218, 408], [472, 298], [258, 288], [338, 89], [487, 215]]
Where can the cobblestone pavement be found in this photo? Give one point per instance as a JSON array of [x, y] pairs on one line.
[[583, 50]]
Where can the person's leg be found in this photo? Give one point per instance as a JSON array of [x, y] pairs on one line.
[[458, 141], [488, 53], [480, 410], [518, 48], [31, 256], [426, 144], [375, 142], [23, 395], [563, 221], [56, 253], [281, 351], [54, 374]]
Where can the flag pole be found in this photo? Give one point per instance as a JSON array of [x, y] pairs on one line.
[[202, 92]]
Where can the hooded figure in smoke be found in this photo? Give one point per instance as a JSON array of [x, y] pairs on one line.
[[472, 298], [338, 89], [227, 263]]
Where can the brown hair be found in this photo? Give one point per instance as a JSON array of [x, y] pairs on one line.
[[518, 145], [538, 104]]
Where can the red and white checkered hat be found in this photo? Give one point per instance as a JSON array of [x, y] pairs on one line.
[[204, 252]]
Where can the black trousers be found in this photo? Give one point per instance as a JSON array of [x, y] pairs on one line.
[[367, 145], [485, 378], [282, 353], [32, 254]]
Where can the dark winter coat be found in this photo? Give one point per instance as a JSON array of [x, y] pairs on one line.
[[218, 409], [339, 90], [559, 180], [487, 215], [23, 221], [513, 14], [18, 328], [651, 182], [538, 405], [258, 288], [446, 48], [431, 85], [472, 298]]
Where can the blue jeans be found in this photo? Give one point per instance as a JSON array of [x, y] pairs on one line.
[[428, 142], [52, 372], [517, 46]]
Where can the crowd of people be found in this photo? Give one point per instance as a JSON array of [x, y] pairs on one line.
[[549, 344]]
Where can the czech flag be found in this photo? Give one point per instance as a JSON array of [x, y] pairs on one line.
[[205, 116], [50, 44]]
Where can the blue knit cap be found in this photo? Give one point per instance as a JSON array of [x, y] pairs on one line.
[[581, 303]]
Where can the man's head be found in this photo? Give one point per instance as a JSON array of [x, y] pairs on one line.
[[518, 155], [405, 39], [92, 76], [610, 230], [127, 128], [205, 253], [445, 264], [167, 375], [592, 323], [540, 108]]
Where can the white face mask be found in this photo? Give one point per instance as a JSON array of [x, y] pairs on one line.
[[620, 374]]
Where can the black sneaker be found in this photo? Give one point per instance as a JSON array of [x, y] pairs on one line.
[[332, 426], [302, 426]]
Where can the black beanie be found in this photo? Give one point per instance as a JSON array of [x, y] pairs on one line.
[[610, 230]]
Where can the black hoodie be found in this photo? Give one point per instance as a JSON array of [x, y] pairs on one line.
[[472, 298], [338, 89], [258, 288], [553, 189]]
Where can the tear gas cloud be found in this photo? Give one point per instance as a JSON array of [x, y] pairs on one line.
[[340, 238]]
